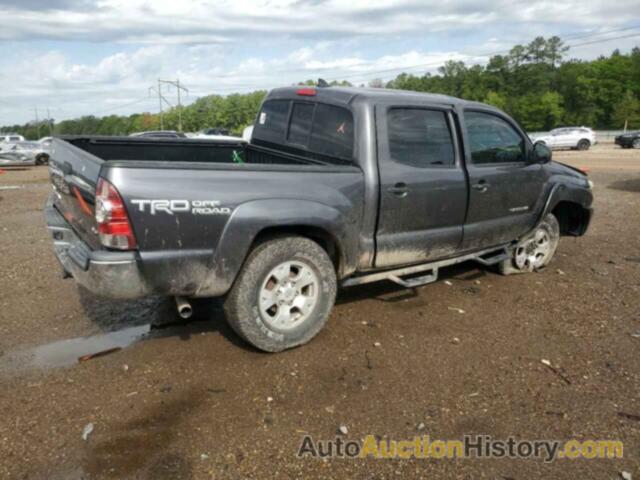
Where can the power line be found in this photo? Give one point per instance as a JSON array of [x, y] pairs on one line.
[[488, 54], [574, 36], [124, 105], [364, 73], [605, 40], [603, 32], [369, 73]]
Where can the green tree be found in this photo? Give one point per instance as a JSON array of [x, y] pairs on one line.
[[495, 99], [626, 113], [539, 112], [532, 82]]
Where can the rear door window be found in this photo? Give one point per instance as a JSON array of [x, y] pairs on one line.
[[332, 132], [420, 138]]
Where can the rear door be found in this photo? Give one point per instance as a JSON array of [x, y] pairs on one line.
[[504, 189], [556, 137], [423, 190], [569, 138]]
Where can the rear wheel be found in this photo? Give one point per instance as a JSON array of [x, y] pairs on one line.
[[283, 295], [536, 250], [42, 159], [584, 145]]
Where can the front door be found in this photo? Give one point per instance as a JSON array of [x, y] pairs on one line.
[[505, 190], [423, 193]]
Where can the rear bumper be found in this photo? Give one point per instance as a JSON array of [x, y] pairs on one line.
[[108, 274], [134, 274]]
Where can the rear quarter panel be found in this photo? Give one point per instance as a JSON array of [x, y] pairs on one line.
[[209, 244]]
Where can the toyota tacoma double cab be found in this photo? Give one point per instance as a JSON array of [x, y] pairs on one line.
[[337, 187]]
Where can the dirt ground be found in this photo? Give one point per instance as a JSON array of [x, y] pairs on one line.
[[192, 401]]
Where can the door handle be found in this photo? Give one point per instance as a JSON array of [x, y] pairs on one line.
[[400, 189], [482, 186]]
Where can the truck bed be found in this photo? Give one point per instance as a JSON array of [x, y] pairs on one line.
[[195, 250], [189, 150]]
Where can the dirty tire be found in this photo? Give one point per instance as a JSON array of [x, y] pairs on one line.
[[584, 145], [548, 229], [636, 143], [42, 159], [242, 306]]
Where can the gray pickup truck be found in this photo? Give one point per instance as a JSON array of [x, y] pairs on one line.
[[337, 187]]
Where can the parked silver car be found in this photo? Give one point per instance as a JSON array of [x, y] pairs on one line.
[[11, 155], [25, 153]]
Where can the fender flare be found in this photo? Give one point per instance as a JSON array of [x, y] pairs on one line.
[[251, 218], [561, 192]]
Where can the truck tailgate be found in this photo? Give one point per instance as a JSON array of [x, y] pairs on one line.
[[74, 175]]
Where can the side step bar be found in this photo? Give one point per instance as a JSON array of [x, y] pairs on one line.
[[416, 281], [496, 257], [485, 257]]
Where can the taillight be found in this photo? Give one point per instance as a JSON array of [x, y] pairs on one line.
[[114, 227]]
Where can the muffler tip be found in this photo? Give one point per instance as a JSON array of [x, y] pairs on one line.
[[185, 310]]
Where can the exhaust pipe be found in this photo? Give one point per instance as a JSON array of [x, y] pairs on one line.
[[185, 310]]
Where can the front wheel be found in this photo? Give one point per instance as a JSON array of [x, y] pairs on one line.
[[536, 250], [284, 294], [636, 143]]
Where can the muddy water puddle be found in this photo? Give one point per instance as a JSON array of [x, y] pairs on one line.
[[68, 352]]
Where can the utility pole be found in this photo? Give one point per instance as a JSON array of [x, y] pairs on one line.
[[37, 123], [179, 87], [179, 106], [158, 90], [49, 122]]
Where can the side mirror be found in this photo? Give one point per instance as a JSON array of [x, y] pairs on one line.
[[540, 154]]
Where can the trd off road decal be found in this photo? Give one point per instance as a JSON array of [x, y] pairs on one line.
[[195, 207]]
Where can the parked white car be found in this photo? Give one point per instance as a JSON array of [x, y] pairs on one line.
[[579, 138], [11, 137], [215, 134]]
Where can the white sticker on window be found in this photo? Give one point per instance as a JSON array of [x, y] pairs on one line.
[[263, 118]]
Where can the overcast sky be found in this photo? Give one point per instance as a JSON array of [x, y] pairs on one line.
[[80, 57]]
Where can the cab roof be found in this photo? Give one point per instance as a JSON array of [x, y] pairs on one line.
[[346, 95]]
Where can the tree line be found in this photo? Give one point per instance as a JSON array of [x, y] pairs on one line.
[[533, 83]]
